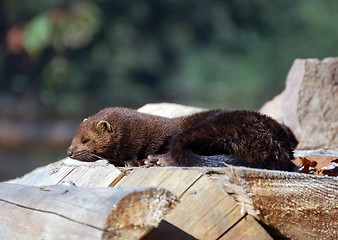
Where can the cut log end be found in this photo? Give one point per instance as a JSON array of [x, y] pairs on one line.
[[138, 213], [31, 212]]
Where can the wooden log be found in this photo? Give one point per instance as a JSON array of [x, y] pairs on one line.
[[300, 206], [68, 212], [205, 210], [307, 203]]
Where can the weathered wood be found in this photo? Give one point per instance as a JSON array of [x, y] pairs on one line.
[[205, 211], [294, 204], [47, 175], [81, 174], [176, 180], [167, 231], [300, 206], [245, 229], [68, 212]]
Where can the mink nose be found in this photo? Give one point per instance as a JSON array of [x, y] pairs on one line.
[[69, 153]]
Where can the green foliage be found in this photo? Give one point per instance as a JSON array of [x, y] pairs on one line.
[[233, 53], [62, 29], [37, 35]]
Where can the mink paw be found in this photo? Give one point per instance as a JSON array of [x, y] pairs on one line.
[[159, 160], [152, 161], [134, 163]]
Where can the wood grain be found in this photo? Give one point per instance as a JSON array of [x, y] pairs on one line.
[[300, 206], [96, 174], [68, 212], [205, 210]]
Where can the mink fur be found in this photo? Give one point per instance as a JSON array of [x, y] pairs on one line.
[[210, 138]]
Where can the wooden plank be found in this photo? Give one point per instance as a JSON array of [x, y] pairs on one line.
[[180, 180], [68, 212], [176, 180], [167, 231], [94, 174], [135, 178], [48, 175], [246, 229], [98, 176], [205, 211]]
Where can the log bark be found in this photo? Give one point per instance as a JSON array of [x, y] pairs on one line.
[[300, 206], [68, 212]]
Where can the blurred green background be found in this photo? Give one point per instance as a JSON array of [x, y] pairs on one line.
[[61, 61]]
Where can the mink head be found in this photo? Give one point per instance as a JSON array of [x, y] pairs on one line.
[[94, 140]]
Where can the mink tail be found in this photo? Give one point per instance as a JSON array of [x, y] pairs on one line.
[[240, 137]]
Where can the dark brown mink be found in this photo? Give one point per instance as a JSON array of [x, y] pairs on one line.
[[210, 138], [231, 137]]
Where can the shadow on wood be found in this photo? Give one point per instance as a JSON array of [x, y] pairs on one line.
[[167, 231]]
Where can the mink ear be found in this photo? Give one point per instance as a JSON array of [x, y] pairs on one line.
[[104, 126]]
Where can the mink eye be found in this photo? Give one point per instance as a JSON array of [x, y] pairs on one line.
[[85, 140]]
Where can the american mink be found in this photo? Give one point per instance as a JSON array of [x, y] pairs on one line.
[[210, 138]]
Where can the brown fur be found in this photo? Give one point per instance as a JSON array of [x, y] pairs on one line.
[[124, 136], [247, 135], [120, 134]]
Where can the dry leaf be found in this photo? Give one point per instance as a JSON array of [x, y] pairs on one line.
[[317, 164]]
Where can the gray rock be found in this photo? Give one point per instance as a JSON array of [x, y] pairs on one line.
[[303, 153], [169, 110], [309, 103]]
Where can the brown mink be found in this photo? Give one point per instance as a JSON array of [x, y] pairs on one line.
[[210, 138]]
